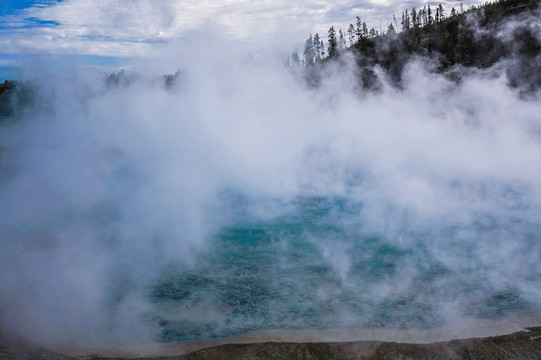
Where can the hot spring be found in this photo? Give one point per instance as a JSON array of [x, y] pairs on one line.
[[315, 268], [242, 200]]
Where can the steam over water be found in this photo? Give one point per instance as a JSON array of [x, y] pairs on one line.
[[311, 270], [242, 200]]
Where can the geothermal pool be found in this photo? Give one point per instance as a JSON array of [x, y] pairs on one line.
[[316, 267], [222, 208]]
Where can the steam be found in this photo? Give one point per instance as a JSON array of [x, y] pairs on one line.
[[104, 190]]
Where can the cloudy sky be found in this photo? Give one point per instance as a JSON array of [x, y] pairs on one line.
[[105, 31]]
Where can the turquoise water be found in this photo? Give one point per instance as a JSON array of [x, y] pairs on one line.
[[317, 268]]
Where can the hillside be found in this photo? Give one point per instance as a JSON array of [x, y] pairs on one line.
[[479, 37]]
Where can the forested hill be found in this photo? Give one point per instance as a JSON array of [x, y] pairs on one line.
[[476, 37]]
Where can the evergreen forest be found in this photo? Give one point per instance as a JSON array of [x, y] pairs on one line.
[[478, 37]]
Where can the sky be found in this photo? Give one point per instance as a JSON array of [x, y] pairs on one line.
[[110, 32]]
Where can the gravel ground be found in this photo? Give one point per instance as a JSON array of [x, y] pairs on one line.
[[520, 345]]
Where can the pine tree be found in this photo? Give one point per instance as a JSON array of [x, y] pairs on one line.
[[430, 18], [317, 47], [358, 31], [341, 40], [442, 17], [414, 17], [309, 53], [351, 31], [391, 30], [405, 21], [332, 42], [365, 30], [295, 60]]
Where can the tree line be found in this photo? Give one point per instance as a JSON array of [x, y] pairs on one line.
[[422, 30]]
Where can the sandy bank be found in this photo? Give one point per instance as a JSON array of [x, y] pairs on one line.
[[524, 344]]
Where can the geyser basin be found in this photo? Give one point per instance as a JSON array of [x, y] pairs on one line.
[[220, 207]]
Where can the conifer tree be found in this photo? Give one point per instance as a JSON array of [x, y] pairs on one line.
[[365, 30], [358, 31], [442, 17], [332, 42], [429, 16], [414, 17], [309, 53], [391, 30], [351, 32], [317, 47], [341, 40], [295, 60], [405, 21]]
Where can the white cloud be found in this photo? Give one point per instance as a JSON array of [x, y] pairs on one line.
[[133, 28]]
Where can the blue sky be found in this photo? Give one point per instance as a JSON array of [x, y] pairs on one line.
[[108, 32], [7, 7], [16, 7]]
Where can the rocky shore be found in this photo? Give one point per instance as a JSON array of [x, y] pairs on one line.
[[524, 344]]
